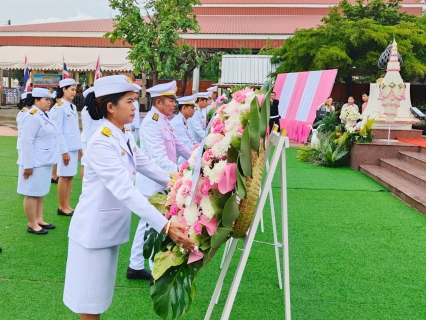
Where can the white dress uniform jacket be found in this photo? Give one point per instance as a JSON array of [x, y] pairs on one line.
[[159, 143], [19, 123], [180, 129], [38, 140], [66, 118], [197, 125], [102, 216]]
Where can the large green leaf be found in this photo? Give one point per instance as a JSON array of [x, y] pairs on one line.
[[153, 242], [218, 202], [175, 289], [236, 142], [158, 200], [254, 124], [166, 259], [220, 235], [241, 185], [245, 153], [232, 154], [265, 112], [230, 211], [267, 86]]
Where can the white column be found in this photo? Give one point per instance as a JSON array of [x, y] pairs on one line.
[[196, 80]]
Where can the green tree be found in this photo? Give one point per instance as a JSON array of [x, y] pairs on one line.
[[154, 34], [17, 74], [352, 38]]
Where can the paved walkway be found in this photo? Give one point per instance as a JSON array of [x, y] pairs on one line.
[[8, 132]]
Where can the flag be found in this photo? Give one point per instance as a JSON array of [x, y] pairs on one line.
[[27, 78], [299, 95], [65, 74], [98, 71]]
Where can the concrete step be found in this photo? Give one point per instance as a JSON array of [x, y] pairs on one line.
[[415, 158], [407, 191], [408, 171], [423, 150]]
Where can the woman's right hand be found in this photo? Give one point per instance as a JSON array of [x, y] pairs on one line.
[[177, 232], [27, 173], [66, 158]]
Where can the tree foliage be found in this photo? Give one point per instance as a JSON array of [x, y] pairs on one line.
[[352, 38], [154, 32]]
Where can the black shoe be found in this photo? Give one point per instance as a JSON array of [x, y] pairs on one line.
[[42, 231], [61, 213], [47, 226], [138, 274], [54, 180]]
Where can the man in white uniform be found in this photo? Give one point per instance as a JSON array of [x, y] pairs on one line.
[[157, 142], [179, 123], [197, 123], [212, 98]]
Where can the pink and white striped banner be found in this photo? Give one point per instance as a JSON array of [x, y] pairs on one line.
[[300, 94]]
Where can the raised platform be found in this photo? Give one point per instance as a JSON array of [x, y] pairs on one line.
[[409, 134], [370, 153]]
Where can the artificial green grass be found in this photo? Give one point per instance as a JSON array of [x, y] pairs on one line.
[[356, 252]]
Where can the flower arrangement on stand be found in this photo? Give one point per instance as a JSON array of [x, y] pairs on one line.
[[214, 193], [350, 116]]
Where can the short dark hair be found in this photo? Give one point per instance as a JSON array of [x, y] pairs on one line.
[[351, 97], [365, 92], [155, 99], [60, 92], [330, 97], [97, 107], [273, 92], [180, 106], [200, 98]]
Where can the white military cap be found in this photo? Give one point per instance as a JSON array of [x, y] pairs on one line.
[[212, 89], [204, 95], [42, 93], [114, 84], [87, 91], [163, 90], [67, 82], [24, 95], [186, 100]]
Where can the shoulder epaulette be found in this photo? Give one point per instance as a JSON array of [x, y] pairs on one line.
[[23, 110], [106, 131], [196, 108], [155, 117], [60, 103], [34, 111], [127, 129]]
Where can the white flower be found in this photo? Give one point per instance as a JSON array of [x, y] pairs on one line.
[[191, 214], [231, 107], [206, 207], [214, 173], [221, 148], [212, 139]]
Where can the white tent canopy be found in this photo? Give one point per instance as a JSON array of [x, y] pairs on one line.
[[76, 58]]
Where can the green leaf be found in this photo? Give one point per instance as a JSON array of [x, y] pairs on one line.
[[220, 236], [218, 202], [245, 154], [152, 242], [241, 185], [265, 111], [158, 200], [230, 211], [232, 154], [175, 288], [165, 260], [236, 142], [254, 124]]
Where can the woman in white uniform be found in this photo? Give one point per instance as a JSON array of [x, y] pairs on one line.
[[101, 222], [89, 127], [69, 143], [38, 154], [23, 107]]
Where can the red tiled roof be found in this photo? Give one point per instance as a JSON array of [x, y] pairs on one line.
[[101, 25], [208, 24], [256, 24]]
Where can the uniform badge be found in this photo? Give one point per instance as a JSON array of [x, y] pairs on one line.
[[117, 137], [49, 91], [23, 110], [60, 103], [123, 152], [127, 129], [33, 111], [196, 108], [155, 117], [129, 80], [106, 131]]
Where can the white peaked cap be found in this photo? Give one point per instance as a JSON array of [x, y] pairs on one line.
[[163, 90], [67, 82], [42, 93], [114, 84], [186, 100]]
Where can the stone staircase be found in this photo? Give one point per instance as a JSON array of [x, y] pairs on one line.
[[404, 176]]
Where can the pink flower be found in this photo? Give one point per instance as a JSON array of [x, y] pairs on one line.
[[260, 98], [241, 92], [184, 190], [241, 99], [197, 199], [174, 209], [184, 165], [208, 155], [177, 185], [198, 227], [183, 221], [221, 108], [188, 183], [195, 146], [220, 99], [240, 130], [228, 179], [181, 213], [171, 197], [167, 214], [211, 225], [205, 188], [195, 256]]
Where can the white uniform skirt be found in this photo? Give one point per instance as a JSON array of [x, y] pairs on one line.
[[71, 169], [90, 278], [38, 184]]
